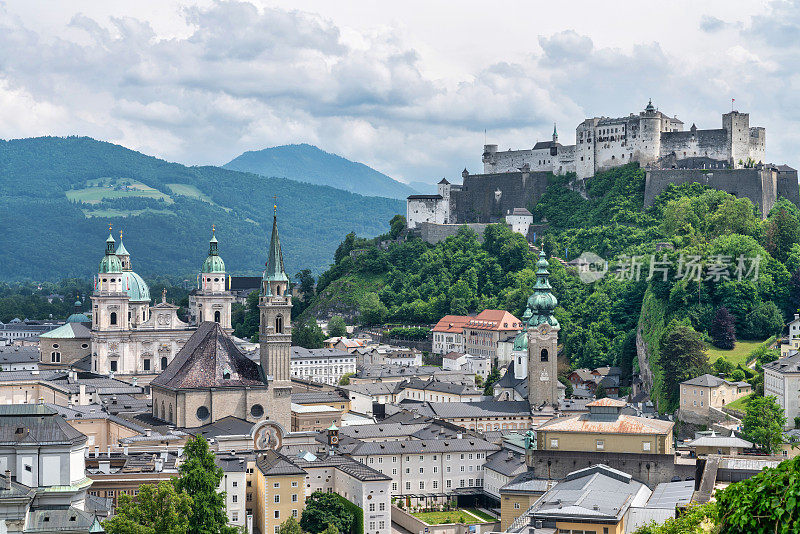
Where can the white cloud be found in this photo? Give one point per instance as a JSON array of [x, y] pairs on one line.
[[408, 94]]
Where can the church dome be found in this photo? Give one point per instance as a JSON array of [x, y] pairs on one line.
[[521, 342], [135, 287], [213, 263], [78, 318], [110, 262]]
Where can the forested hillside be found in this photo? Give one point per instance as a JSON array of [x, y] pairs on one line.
[[307, 163], [416, 282], [60, 194]]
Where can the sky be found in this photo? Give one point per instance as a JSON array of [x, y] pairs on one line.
[[412, 88]]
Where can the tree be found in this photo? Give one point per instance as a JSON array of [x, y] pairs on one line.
[[723, 366], [330, 529], [337, 327], [494, 376], [682, 357], [764, 321], [308, 334], [306, 281], [781, 233], [600, 393], [344, 248], [764, 422], [345, 379], [396, 226], [200, 477], [765, 503], [157, 509], [323, 509], [373, 311], [723, 331], [290, 526]]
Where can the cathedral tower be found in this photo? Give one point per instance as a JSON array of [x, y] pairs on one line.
[[275, 303], [542, 340], [212, 302]]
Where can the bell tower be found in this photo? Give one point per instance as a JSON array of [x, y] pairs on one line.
[[542, 334], [275, 303], [212, 301]]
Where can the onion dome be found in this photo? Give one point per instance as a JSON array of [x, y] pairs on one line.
[[650, 108], [274, 271], [110, 262], [213, 263], [542, 303]]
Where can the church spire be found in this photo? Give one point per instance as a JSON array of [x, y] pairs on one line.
[[542, 303], [274, 271], [555, 133]]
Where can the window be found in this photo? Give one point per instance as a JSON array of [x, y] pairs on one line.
[[372, 525], [277, 514], [372, 507], [516, 506], [277, 499], [394, 471], [279, 324], [277, 528], [382, 507], [435, 484], [294, 512], [146, 364], [600, 444], [113, 365], [216, 316], [645, 445], [381, 524], [235, 484], [408, 486], [554, 443], [276, 485], [113, 319], [394, 486], [543, 355], [421, 470], [55, 357], [163, 362], [449, 483], [294, 497], [422, 484], [234, 498]]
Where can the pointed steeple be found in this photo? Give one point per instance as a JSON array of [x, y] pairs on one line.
[[274, 271], [123, 254], [555, 133], [110, 248]]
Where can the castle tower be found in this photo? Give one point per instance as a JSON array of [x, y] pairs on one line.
[[275, 332], [737, 132], [543, 331], [555, 134], [212, 302], [649, 141]]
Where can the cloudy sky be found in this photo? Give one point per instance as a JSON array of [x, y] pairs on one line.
[[406, 87]]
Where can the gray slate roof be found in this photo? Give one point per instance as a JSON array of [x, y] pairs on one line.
[[35, 424], [526, 482], [299, 353], [789, 364], [15, 354], [489, 408], [506, 462], [345, 464], [205, 359], [316, 397], [418, 446], [273, 463], [61, 520]]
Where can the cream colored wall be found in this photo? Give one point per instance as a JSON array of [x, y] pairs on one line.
[[284, 493], [30, 393], [102, 432], [302, 422], [697, 399], [627, 443], [508, 511], [619, 528]]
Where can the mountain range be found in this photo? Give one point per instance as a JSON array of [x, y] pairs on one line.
[[59, 195], [307, 163]]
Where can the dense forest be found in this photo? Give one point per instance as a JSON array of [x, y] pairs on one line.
[[60, 194], [414, 282]]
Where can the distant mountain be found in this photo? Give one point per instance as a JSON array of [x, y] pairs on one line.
[[58, 196], [425, 188], [307, 163]]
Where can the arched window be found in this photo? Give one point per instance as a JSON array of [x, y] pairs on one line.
[[163, 411], [544, 355], [519, 360], [216, 316], [163, 366], [278, 290], [113, 319], [170, 413], [279, 324]]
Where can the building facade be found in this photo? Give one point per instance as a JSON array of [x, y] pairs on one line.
[[326, 366], [700, 395], [782, 381]]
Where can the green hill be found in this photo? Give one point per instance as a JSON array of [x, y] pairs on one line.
[[59, 195], [307, 163], [414, 282]]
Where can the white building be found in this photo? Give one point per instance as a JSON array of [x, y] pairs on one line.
[[448, 334], [782, 381], [468, 363], [325, 366], [520, 220], [234, 484]]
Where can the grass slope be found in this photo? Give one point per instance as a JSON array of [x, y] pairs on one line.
[[55, 220], [308, 163], [738, 355]]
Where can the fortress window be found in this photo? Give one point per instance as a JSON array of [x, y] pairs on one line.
[[113, 319], [544, 355], [216, 316]]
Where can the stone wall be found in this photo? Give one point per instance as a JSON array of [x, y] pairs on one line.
[[651, 469], [759, 185], [488, 198], [434, 233]]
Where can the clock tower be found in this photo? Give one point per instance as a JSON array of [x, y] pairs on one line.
[[542, 335]]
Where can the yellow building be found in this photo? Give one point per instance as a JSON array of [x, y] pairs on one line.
[[702, 394], [280, 492], [518, 496], [606, 429]]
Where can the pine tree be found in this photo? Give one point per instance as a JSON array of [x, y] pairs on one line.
[[723, 331], [200, 477]]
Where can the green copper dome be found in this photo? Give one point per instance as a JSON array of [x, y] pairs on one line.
[[121, 250], [213, 263], [78, 318], [521, 342], [542, 302], [135, 287], [110, 262]]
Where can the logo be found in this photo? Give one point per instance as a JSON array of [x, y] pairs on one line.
[[591, 267]]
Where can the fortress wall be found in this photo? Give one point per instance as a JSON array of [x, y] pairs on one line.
[[509, 161], [434, 233], [757, 185], [489, 197], [787, 186], [709, 143]]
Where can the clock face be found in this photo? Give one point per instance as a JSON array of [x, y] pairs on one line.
[[334, 439]]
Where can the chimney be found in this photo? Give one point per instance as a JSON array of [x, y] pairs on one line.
[[7, 481], [159, 462], [148, 432], [135, 381], [125, 450]]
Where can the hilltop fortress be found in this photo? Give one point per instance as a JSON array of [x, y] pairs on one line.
[[731, 158]]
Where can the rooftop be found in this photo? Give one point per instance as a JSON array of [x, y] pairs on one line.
[[272, 463], [622, 424]]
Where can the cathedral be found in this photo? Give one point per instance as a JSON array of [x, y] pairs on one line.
[[132, 338], [211, 379]]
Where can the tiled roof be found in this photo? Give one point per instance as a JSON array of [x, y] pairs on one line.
[[68, 331], [60, 519], [15, 354], [489, 408], [345, 464], [707, 380], [527, 483], [303, 353], [720, 441], [419, 446], [623, 424], [319, 397], [494, 320], [207, 358], [451, 323], [616, 403], [35, 424]]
